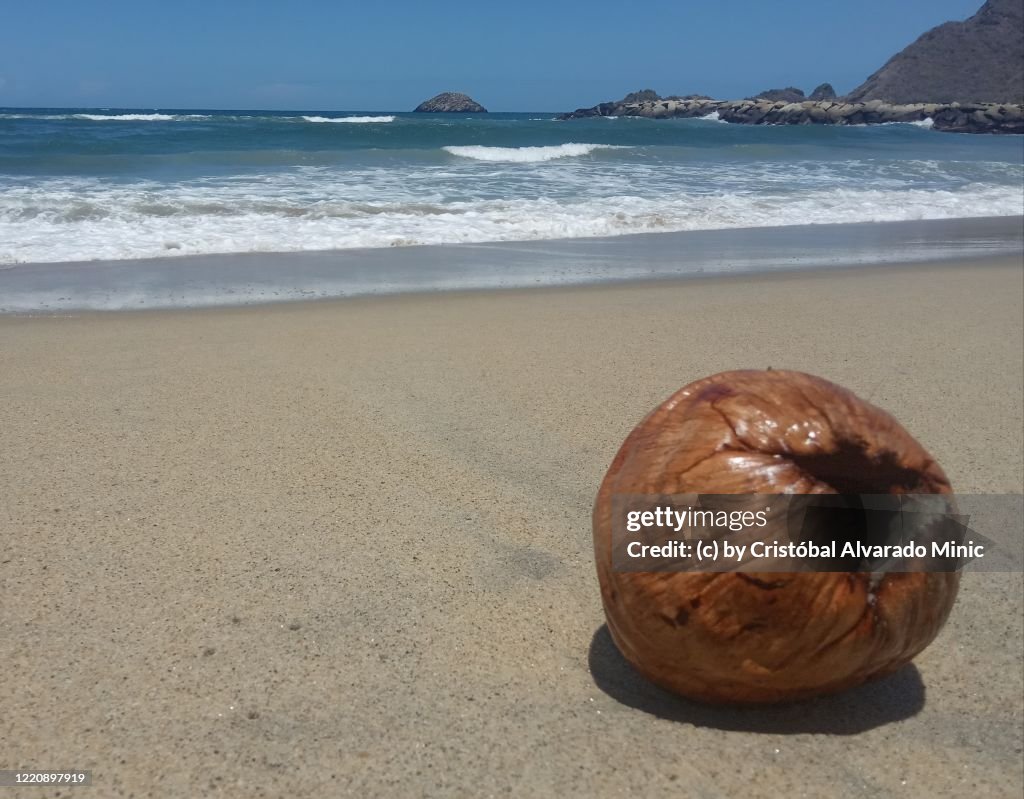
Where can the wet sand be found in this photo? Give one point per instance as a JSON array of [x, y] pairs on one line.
[[197, 281], [343, 547]]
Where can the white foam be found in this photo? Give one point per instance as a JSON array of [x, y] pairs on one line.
[[352, 120], [712, 117], [73, 219], [528, 154], [926, 123], [112, 117], [126, 117]]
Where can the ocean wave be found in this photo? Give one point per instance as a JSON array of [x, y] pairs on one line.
[[927, 123], [138, 117], [353, 120], [528, 154], [63, 221], [155, 117], [712, 117]]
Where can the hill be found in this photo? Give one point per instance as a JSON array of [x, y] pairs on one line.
[[978, 60]]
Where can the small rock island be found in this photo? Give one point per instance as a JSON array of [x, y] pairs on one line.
[[450, 103]]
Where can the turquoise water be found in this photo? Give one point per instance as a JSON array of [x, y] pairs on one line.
[[82, 184]]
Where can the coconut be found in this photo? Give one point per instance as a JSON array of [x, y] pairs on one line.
[[737, 637]]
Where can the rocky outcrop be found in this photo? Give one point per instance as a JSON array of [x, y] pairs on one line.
[[823, 92], [450, 103], [977, 60], [791, 94], [788, 95], [955, 117], [966, 77], [642, 96]]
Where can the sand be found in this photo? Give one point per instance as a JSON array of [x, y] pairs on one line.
[[343, 548], [192, 281]]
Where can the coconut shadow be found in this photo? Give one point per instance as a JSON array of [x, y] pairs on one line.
[[874, 704]]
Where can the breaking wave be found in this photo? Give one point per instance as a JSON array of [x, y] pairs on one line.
[[154, 117], [527, 155], [138, 117], [57, 221], [353, 120]]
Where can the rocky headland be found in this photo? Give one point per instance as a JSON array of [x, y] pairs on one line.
[[954, 117], [450, 103], [965, 77], [980, 59]]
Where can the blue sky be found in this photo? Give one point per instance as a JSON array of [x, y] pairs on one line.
[[520, 55]]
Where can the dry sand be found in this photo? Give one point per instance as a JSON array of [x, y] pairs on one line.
[[343, 548]]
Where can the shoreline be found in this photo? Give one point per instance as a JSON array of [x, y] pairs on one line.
[[253, 279], [242, 543], [713, 281]]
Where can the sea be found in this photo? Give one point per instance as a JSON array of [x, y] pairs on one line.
[[101, 184]]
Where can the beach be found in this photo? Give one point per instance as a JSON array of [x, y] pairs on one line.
[[343, 547]]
